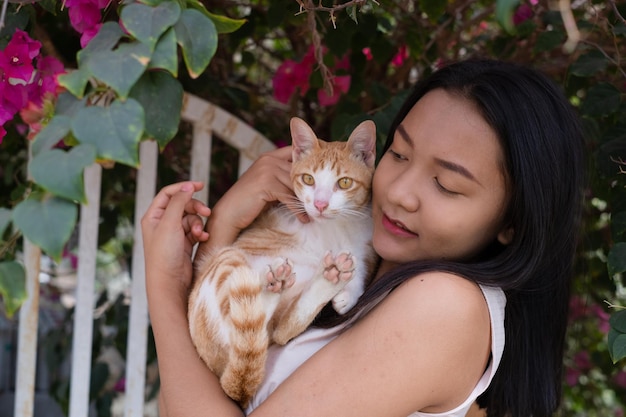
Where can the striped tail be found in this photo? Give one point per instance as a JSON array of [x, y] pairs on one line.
[[250, 309]]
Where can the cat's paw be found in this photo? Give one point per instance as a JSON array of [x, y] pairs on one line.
[[344, 301], [340, 267], [280, 275]]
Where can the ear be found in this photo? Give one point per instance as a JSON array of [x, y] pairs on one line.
[[303, 138], [362, 142], [506, 235]]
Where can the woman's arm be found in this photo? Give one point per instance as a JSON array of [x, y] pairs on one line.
[[170, 227], [423, 348]]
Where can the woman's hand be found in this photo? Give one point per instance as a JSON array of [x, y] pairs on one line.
[[170, 227], [266, 182]]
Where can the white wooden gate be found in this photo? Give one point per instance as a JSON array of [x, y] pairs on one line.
[[206, 119]]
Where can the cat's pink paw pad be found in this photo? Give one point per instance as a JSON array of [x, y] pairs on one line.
[[339, 268], [280, 276]]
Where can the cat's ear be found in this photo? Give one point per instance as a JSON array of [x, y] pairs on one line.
[[302, 136], [362, 142]]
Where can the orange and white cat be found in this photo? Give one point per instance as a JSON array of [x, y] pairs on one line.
[[272, 282]]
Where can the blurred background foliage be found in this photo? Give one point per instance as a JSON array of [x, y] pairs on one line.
[[335, 64]]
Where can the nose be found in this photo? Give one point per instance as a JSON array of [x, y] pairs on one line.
[[320, 205], [404, 192]]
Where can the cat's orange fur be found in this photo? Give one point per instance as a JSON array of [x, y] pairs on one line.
[[272, 282]]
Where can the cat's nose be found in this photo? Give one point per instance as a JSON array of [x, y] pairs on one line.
[[321, 205]]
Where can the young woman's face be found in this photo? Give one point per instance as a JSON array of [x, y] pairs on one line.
[[439, 192]]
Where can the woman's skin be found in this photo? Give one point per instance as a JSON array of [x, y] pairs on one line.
[[439, 192]]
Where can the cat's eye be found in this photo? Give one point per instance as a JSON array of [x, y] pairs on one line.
[[344, 183], [308, 179]]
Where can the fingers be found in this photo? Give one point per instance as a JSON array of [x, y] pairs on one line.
[[179, 201], [194, 229]]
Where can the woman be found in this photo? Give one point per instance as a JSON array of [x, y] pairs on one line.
[[476, 203]]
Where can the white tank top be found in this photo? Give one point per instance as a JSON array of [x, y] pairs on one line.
[[283, 360]]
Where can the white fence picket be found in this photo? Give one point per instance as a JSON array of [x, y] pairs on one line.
[[138, 320], [206, 120], [83, 313], [27, 335]]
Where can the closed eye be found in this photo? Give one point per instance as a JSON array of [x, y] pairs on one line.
[[396, 155], [444, 189]]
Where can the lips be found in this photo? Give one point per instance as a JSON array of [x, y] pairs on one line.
[[396, 227]]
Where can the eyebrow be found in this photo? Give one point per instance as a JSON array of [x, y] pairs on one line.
[[451, 166]]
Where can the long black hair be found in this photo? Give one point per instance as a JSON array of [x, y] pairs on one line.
[[542, 140]]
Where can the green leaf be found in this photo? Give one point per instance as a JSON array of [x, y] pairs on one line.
[[147, 23], [602, 99], [616, 260], [57, 128], [122, 67], [617, 345], [48, 223], [161, 97], [504, 14], [19, 19], [75, 81], [197, 37], [61, 172], [12, 286], [165, 55], [5, 220], [115, 130], [547, 41], [352, 13], [108, 36], [68, 105], [589, 64], [617, 336], [434, 9], [223, 24], [618, 321]]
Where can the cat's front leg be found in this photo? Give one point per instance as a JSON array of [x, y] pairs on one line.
[[333, 275], [341, 268], [280, 275]]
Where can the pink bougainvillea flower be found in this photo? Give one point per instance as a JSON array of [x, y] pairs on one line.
[[582, 360], [89, 34], [12, 99], [571, 376], [603, 318], [120, 385], [45, 80], [522, 14], [401, 56], [341, 85], [290, 76], [84, 16], [309, 58], [16, 60], [343, 63], [32, 114], [368, 53], [3, 133], [620, 379]]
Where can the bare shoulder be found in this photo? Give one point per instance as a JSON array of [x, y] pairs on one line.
[[439, 324], [423, 348], [435, 292]]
